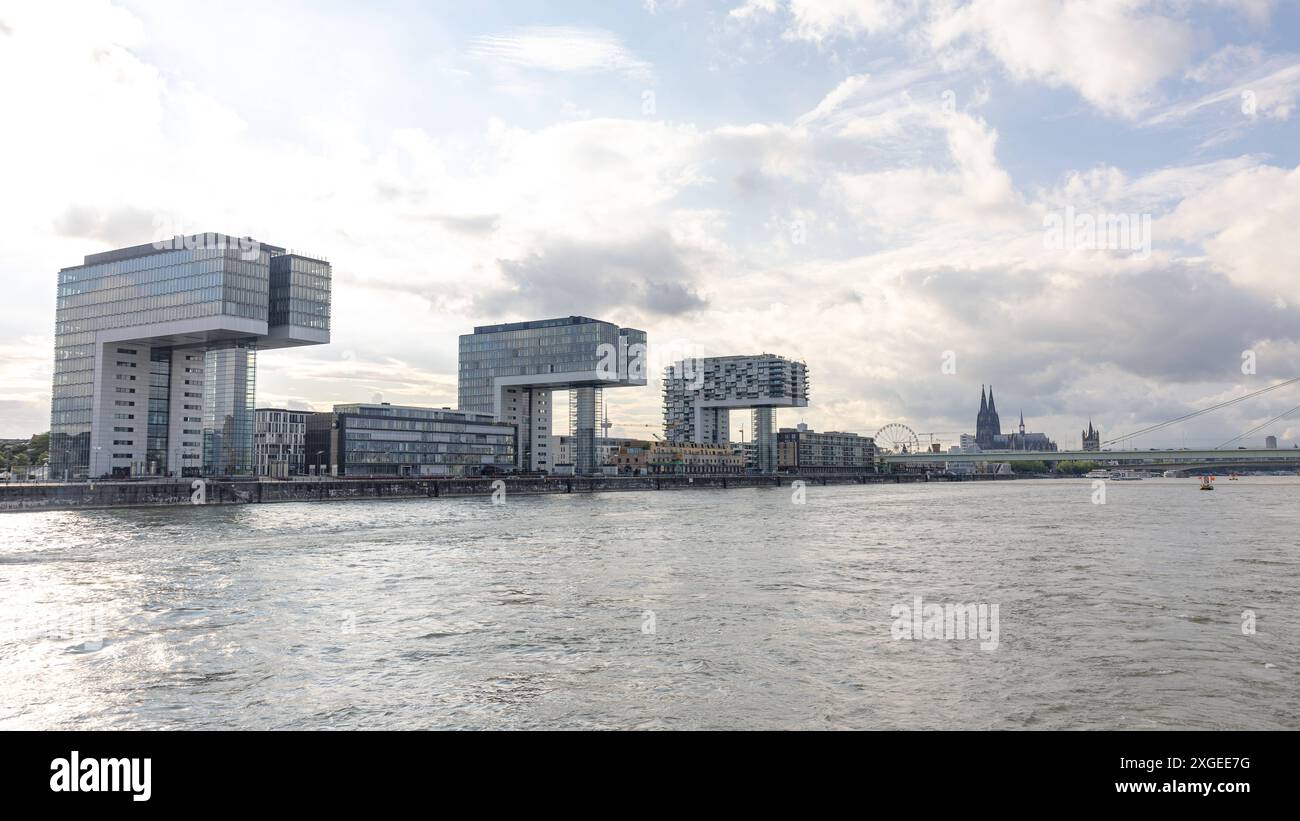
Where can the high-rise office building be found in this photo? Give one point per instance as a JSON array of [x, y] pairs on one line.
[[699, 395], [155, 353], [510, 370]]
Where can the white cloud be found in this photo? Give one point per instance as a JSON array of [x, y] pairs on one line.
[[561, 49], [820, 20], [753, 9], [1269, 91], [1112, 53], [1246, 224], [849, 88]]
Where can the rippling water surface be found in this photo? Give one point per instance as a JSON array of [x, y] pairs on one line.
[[454, 613]]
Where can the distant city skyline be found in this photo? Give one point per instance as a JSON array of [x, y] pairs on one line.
[[899, 194]]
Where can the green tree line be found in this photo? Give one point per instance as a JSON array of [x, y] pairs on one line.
[[1067, 468], [18, 456]]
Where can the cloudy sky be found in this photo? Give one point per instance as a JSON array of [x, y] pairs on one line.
[[877, 187]]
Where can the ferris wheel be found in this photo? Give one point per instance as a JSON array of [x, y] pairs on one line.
[[898, 438]]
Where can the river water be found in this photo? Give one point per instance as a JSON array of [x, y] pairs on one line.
[[1164, 607]]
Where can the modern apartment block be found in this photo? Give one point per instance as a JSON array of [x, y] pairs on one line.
[[398, 440], [155, 353], [699, 395], [510, 371], [280, 442], [802, 450]]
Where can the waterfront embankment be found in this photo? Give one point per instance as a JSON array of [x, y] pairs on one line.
[[89, 495]]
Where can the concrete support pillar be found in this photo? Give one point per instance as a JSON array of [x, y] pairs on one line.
[[539, 421], [763, 422], [583, 404], [119, 433], [185, 413]]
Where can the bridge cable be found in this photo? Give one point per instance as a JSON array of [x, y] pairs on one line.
[[1192, 415], [1258, 428]]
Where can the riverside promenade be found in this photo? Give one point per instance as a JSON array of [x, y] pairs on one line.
[[89, 495]]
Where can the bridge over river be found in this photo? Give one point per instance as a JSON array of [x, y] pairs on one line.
[[1182, 459]]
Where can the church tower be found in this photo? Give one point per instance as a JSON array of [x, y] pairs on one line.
[[987, 424], [982, 420], [1091, 438]]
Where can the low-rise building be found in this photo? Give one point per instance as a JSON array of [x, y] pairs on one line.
[[802, 450], [280, 442], [565, 449], [632, 458], [691, 458], [399, 440]]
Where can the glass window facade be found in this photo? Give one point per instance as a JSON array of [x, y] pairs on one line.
[[300, 292], [229, 415], [389, 440], [121, 314], [544, 348]]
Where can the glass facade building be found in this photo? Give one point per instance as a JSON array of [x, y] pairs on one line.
[[509, 370], [396, 440], [133, 329]]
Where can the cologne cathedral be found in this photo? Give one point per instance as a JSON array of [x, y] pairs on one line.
[[989, 435]]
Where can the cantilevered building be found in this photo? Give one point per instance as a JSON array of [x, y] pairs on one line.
[[155, 353], [700, 393], [510, 370]]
